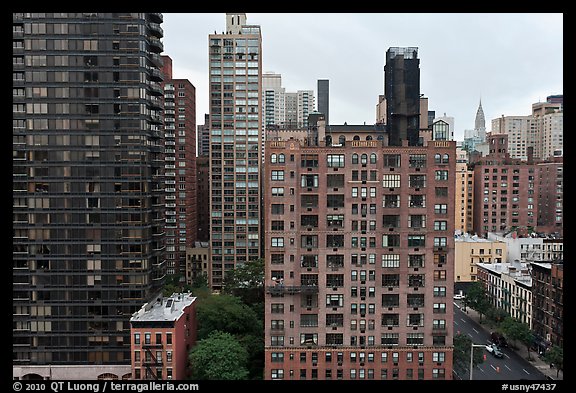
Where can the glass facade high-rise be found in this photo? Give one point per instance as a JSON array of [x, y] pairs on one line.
[[402, 90], [88, 191], [235, 146]]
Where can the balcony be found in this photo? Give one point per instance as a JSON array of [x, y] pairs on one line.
[[155, 29], [156, 17], [291, 289], [155, 45], [155, 74], [155, 89], [156, 59]]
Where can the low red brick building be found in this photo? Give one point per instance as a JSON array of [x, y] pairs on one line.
[[162, 334]]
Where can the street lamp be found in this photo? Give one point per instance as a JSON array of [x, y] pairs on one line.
[[472, 345]]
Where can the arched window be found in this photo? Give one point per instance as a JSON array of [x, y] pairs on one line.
[[281, 158], [273, 158], [342, 140], [369, 138], [356, 138], [354, 158], [373, 158], [445, 158], [364, 159], [437, 158]]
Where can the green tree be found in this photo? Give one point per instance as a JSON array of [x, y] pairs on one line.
[[462, 347], [518, 331], [254, 344], [477, 299], [219, 357], [555, 356], [227, 314], [246, 282]]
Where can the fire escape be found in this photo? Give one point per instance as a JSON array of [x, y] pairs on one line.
[[151, 362]]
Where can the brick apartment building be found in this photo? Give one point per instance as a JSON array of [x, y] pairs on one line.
[[359, 250], [162, 333]]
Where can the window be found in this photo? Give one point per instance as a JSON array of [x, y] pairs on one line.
[[440, 226], [334, 181], [334, 200], [309, 181], [390, 260], [417, 221], [416, 260], [277, 225], [309, 220], [277, 357], [389, 339], [277, 191], [277, 242], [417, 200], [439, 291], [277, 208], [417, 160], [391, 181], [439, 308], [441, 208], [441, 175], [390, 280], [309, 160], [308, 201], [137, 338], [391, 160], [390, 240], [440, 241], [309, 241], [391, 201], [416, 240], [335, 160], [278, 175], [334, 240], [417, 181], [335, 220]]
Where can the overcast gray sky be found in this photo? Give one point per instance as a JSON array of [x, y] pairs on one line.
[[510, 60]]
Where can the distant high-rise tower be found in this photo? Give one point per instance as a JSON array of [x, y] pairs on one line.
[[324, 99], [180, 156], [480, 123], [402, 91], [88, 167], [235, 146]]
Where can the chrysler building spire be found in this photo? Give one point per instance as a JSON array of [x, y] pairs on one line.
[[480, 122]]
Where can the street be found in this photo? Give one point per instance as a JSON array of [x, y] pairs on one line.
[[510, 367]]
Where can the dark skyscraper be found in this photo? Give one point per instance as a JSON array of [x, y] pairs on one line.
[[402, 91], [324, 99], [88, 164]]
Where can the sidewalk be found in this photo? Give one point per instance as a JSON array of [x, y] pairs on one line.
[[540, 364]]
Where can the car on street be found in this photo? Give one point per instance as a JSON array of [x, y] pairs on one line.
[[499, 339], [494, 350], [459, 296]]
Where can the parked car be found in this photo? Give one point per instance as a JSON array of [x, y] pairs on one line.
[[459, 296], [494, 350], [499, 339]]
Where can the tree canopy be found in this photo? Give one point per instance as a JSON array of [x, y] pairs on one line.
[[227, 314], [219, 357]]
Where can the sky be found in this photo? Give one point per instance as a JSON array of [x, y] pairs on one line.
[[507, 60]]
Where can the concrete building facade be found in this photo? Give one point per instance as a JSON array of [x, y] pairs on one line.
[[235, 146], [509, 287], [472, 250], [359, 248]]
